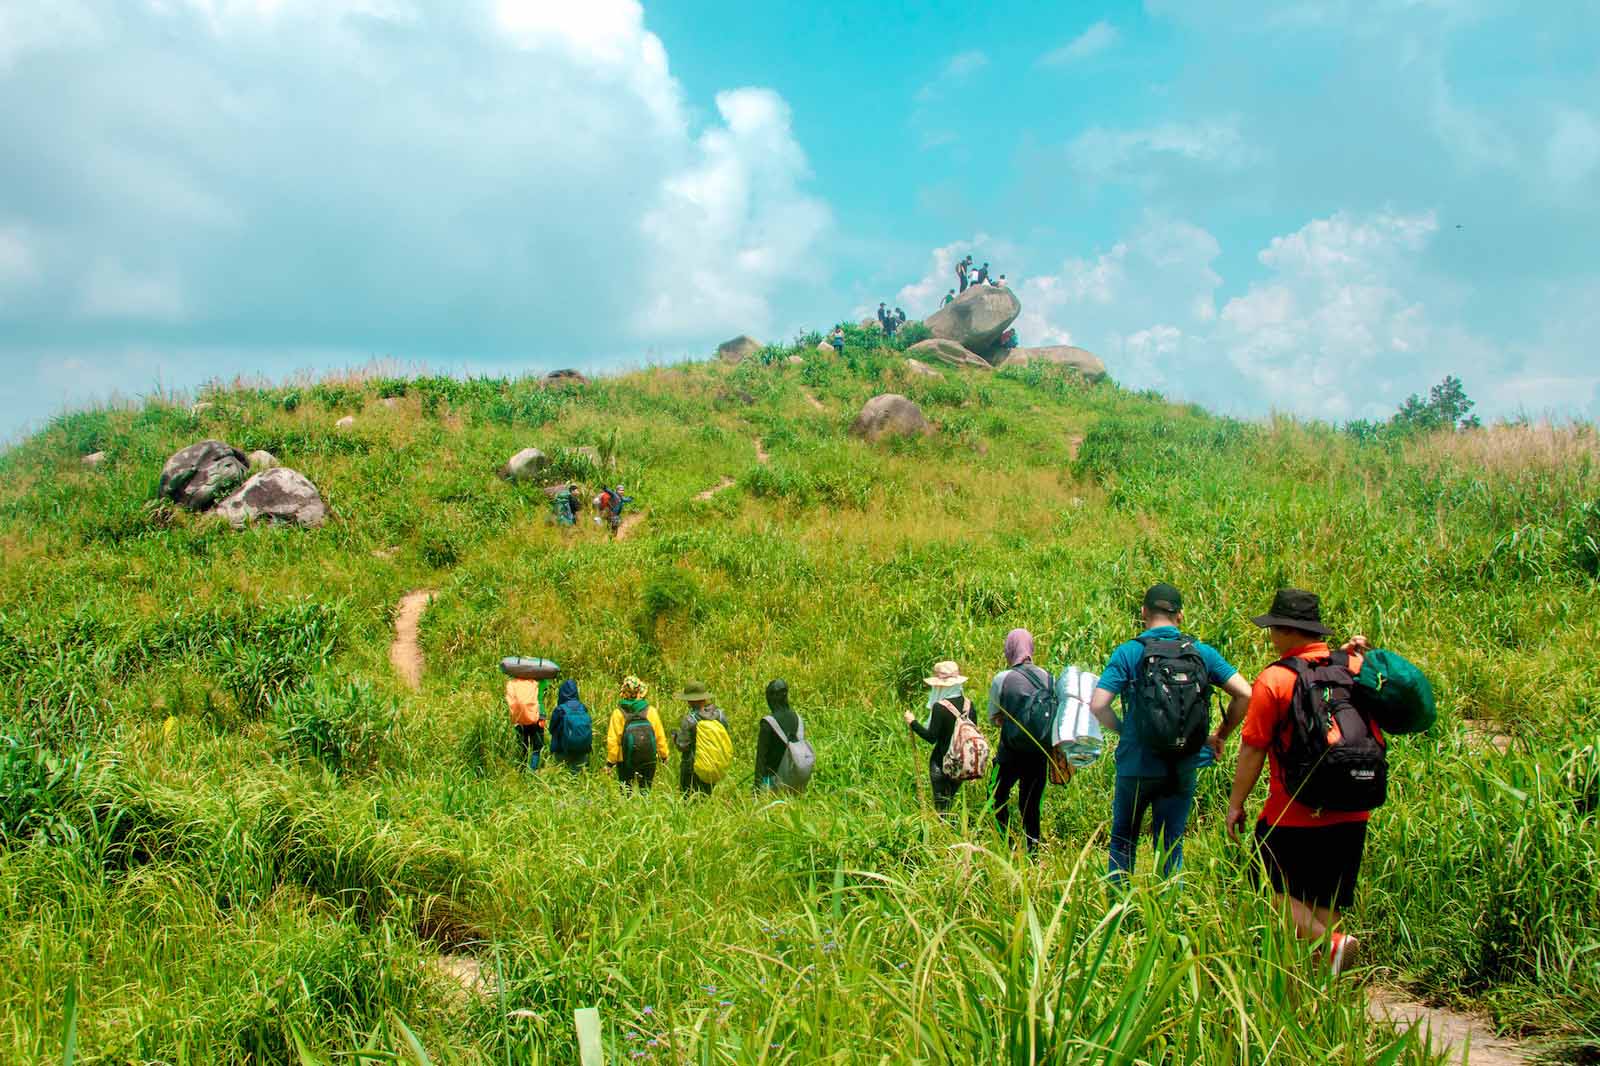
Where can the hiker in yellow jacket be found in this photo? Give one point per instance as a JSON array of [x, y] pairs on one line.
[[635, 741]]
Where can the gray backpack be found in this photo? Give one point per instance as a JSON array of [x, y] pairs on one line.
[[794, 769]]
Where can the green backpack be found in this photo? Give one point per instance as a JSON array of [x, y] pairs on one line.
[[638, 741], [1394, 693]]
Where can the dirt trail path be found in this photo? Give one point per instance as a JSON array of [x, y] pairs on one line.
[[1469, 1040], [813, 401], [625, 530], [405, 653], [725, 483], [761, 453]]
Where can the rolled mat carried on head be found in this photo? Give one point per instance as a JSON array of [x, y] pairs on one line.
[[529, 669]]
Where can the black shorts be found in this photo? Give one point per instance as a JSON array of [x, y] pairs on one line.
[[1317, 865]]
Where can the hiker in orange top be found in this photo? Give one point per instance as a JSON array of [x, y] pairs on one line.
[[1313, 830], [522, 696]]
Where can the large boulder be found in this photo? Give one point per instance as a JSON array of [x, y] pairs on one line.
[[738, 349], [565, 376], [278, 495], [194, 477], [889, 415], [939, 350], [1086, 363], [527, 464], [976, 318]]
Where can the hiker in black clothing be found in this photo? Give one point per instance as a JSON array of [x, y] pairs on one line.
[[1021, 762], [883, 318], [983, 274], [899, 318], [961, 272], [769, 746], [945, 701]]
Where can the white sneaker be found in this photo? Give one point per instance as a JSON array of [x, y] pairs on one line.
[[1344, 953]]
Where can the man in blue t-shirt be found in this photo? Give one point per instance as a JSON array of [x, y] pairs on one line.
[[1146, 781]]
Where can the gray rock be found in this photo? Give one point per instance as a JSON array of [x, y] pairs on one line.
[[1086, 363], [800, 360], [921, 369], [738, 349], [345, 423], [280, 495], [194, 477], [94, 459], [889, 415], [938, 350], [262, 460], [526, 464], [566, 376], [976, 318]]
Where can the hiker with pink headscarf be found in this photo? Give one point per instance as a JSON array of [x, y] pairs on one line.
[[1022, 705]]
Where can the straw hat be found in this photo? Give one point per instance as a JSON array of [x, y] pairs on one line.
[[945, 674]]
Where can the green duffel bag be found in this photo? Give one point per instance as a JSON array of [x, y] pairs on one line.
[[1395, 693]]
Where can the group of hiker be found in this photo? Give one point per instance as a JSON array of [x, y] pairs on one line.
[[891, 321], [637, 744], [967, 277], [567, 500], [1316, 717]]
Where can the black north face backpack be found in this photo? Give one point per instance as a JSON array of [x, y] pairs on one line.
[[1173, 696], [1332, 758]]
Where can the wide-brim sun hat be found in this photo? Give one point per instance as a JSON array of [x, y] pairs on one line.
[[1294, 609], [945, 674], [693, 692]]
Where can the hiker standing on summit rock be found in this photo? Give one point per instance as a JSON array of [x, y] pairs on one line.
[[1312, 831], [961, 272], [1164, 678]]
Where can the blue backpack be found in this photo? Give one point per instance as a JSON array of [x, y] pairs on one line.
[[575, 731]]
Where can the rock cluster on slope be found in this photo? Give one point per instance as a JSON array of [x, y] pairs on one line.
[[1084, 362], [195, 477], [939, 350], [738, 349], [976, 319]]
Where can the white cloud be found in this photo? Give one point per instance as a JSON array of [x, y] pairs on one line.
[[924, 296], [113, 291], [18, 263], [1092, 41], [437, 179], [1103, 155], [1572, 153], [955, 73]]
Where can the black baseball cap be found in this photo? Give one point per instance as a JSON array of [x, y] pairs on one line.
[[1163, 597], [1294, 609]]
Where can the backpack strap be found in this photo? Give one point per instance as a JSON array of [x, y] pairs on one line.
[[772, 722]]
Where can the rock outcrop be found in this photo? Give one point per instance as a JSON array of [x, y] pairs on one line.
[[565, 376], [195, 476], [921, 369], [976, 318], [738, 349], [527, 464], [889, 415], [1086, 363], [94, 459], [279, 495], [346, 422], [939, 350]]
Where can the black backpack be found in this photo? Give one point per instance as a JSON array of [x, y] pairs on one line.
[[1172, 692], [1029, 729], [1332, 759], [638, 741]]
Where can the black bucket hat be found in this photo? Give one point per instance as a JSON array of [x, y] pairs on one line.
[[1294, 609]]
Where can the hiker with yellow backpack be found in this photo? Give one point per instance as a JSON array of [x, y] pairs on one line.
[[635, 741], [703, 741]]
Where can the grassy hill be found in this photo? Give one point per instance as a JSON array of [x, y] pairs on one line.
[[230, 834]]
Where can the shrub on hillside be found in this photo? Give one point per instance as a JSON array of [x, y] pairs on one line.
[[39, 792], [342, 725]]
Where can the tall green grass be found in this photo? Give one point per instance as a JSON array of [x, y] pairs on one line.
[[233, 833]]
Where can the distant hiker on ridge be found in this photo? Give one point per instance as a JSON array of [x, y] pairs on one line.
[[961, 272], [883, 318], [983, 273]]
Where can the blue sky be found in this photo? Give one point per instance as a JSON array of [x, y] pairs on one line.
[[1314, 206]]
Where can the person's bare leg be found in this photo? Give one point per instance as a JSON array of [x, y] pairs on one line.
[[1308, 923]]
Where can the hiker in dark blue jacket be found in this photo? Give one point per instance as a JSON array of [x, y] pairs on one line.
[[571, 729]]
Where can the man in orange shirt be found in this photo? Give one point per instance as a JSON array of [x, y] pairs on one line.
[[1312, 856], [527, 715]]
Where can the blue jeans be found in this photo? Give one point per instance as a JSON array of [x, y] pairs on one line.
[[1168, 802]]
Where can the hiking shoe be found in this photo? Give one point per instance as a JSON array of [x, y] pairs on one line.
[[1343, 953]]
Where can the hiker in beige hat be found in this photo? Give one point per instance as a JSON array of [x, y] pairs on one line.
[[960, 752]]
